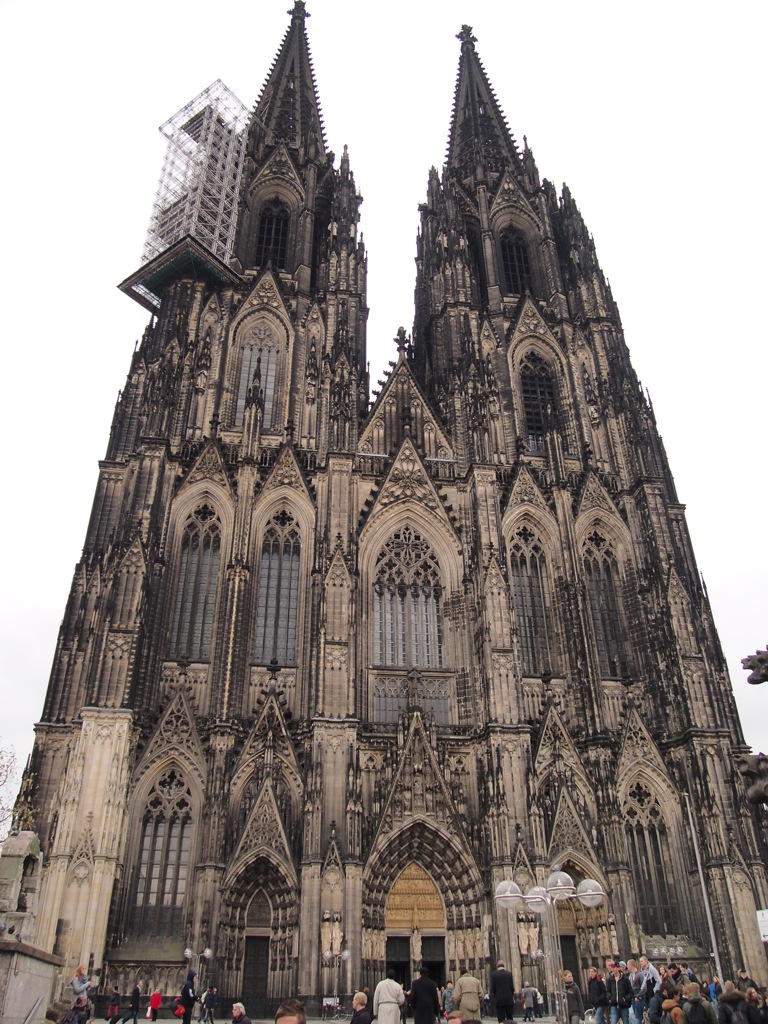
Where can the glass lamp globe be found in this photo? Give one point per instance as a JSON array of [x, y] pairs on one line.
[[327, 954], [346, 954], [188, 954], [537, 899], [508, 894], [560, 884], [590, 892]]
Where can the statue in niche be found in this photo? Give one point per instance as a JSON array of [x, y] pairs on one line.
[[522, 934], [325, 932], [533, 934], [336, 934], [416, 946]]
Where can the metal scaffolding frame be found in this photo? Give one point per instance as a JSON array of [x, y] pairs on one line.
[[200, 181]]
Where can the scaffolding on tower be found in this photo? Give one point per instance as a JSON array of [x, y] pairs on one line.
[[200, 181]]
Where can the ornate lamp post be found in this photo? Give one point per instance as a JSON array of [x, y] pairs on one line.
[[336, 959], [543, 900], [190, 956]]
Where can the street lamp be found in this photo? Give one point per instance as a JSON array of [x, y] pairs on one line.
[[206, 954], [543, 900], [336, 958]]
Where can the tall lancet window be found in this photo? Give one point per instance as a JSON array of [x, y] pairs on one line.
[[529, 576], [277, 596], [602, 577], [514, 258], [407, 616], [197, 586], [272, 239], [258, 370], [651, 862], [162, 872], [539, 399]]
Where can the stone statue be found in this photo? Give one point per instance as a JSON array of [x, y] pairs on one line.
[[336, 934], [416, 946], [754, 770], [325, 932]]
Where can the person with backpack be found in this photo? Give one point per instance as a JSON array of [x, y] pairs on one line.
[[731, 1006], [697, 1010], [671, 1011]]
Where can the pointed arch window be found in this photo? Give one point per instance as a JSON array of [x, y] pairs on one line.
[[529, 576], [162, 873], [258, 370], [601, 574], [649, 852], [272, 239], [197, 586], [514, 259], [277, 598], [407, 614], [537, 384]]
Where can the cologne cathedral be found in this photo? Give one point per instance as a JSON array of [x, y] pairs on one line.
[[334, 665]]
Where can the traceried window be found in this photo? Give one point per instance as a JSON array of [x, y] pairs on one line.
[[272, 240], [277, 597], [514, 258], [539, 399], [407, 618], [162, 873], [651, 862], [258, 370], [197, 586], [601, 575], [529, 576]]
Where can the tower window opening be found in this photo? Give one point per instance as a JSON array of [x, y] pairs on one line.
[[272, 240], [258, 369], [277, 599], [529, 576], [514, 257], [600, 571], [197, 586], [539, 400]]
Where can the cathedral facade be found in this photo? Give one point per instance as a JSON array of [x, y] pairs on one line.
[[332, 668]]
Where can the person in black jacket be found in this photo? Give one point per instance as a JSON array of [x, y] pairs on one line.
[[597, 994], [360, 1012], [134, 1005], [425, 999], [573, 998], [619, 994], [188, 996], [503, 991]]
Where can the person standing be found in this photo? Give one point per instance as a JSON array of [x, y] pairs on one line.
[[238, 1014], [468, 996], [529, 1000], [114, 1006], [154, 1003], [134, 1004], [425, 999], [388, 997], [619, 994], [360, 1012], [188, 996], [597, 994], [448, 999], [210, 999], [80, 989], [503, 991], [573, 1000], [743, 982]]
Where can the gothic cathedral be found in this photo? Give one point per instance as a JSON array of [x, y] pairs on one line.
[[331, 667]]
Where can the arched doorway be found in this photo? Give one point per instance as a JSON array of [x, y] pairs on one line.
[[414, 921]]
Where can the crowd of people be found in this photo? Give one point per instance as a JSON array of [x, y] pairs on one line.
[[626, 992]]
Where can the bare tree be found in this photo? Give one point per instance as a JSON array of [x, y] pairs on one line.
[[9, 781]]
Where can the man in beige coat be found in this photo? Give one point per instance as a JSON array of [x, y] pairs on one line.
[[387, 1000], [468, 996]]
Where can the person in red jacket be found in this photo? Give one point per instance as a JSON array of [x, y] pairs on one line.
[[154, 1003]]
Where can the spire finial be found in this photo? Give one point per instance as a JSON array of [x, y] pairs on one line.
[[466, 36], [299, 10]]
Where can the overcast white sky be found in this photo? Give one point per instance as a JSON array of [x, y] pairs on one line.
[[654, 115]]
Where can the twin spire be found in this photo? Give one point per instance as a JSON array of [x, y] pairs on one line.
[[479, 140]]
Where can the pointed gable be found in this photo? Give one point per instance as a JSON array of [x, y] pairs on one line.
[[287, 472], [525, 491], [419, 790], [176, 735], [264, 832], [595, 496], [279, 167], [508, 194], [529, 321], [494, 577], [568, 833], [638, 749], [555, 744], [266, 293], [267, 743], [207, 466], [402, 396]]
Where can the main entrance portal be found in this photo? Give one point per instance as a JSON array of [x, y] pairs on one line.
[[415, 926]]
